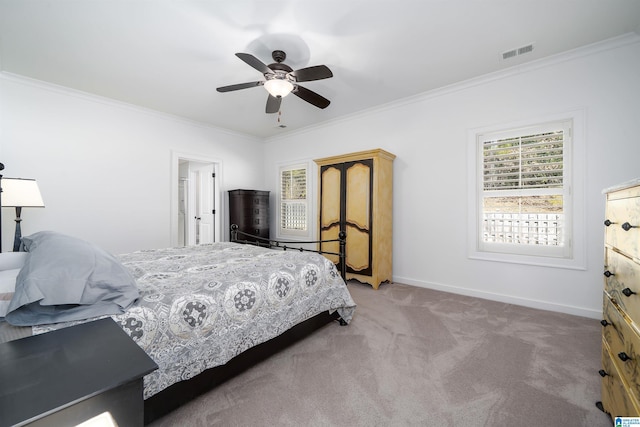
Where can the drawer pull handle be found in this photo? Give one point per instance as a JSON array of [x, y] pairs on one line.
[[603, 322], [628, 292], [608, 273], [626, 226], [603, 373], [608, 223], [623, 356]]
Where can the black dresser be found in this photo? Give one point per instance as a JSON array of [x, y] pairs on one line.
[[249, 210]]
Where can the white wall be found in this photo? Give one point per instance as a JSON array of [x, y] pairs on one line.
[[429, 136], [103, 167]]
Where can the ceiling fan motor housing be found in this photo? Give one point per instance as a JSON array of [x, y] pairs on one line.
[[279, 56], [280, 70], [280, 75], [277, 66]]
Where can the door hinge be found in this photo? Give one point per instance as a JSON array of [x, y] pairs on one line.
[[213, 211], [213, 175]]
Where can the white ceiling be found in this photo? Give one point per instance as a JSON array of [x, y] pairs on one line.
[[170, 55]]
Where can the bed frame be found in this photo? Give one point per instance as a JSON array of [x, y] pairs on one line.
[[182, 392], [242, 237]]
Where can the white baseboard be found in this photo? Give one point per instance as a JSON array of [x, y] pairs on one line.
[[509, 299]]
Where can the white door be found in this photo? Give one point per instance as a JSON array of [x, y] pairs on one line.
[[183, 189], [204, 203], [195, 201]]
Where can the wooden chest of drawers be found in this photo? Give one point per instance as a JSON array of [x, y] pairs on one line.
[[249, 210], [621, 303]]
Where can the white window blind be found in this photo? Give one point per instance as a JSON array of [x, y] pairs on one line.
[[525, 195], [293, 200]]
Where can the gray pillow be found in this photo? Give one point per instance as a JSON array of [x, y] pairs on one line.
[[65, 278]]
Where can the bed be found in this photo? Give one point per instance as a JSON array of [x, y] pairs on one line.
[[202, 313]]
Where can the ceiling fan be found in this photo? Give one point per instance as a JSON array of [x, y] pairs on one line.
[[281, 80]]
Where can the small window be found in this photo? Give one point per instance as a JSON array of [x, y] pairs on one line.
[[294, 204], [524, 201]]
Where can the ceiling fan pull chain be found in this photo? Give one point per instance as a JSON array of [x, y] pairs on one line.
[[280, 124]]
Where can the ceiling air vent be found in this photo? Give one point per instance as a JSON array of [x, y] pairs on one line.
[[509, 54], [518, 51], [525, 49]]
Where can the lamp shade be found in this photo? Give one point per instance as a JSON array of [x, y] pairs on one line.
[[19, 192], [278, 87]]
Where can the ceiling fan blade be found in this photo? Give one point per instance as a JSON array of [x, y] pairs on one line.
[[239, 86], [308, 74], [255, 63], [311, 97], [273, 104]]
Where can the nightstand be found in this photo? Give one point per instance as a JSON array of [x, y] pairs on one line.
[[67, 376]]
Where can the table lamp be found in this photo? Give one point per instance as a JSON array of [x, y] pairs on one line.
[[20, 193]]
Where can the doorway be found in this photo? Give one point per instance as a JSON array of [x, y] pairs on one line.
[[195, 202]]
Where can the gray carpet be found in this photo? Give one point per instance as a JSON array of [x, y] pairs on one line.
[[418, 357]]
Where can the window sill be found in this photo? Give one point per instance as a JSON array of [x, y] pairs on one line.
[[540, 261]]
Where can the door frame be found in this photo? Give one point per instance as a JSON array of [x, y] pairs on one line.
[[176, 157]]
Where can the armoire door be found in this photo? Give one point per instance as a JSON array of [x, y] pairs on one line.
[[345, 204]]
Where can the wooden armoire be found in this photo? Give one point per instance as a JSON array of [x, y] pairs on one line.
[[356, 195]]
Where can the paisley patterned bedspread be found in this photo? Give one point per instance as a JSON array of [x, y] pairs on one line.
[[202, 305]]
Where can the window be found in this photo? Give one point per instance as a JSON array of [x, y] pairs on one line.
[[524, 200], [294, 205]]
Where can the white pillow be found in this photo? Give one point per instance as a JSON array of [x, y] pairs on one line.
[[12, 260], [7, 288]]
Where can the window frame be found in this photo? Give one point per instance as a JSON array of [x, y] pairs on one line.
[[290, 233], [573, 253], [560, 251]]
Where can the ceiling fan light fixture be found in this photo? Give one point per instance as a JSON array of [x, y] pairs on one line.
[[278, 87]]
